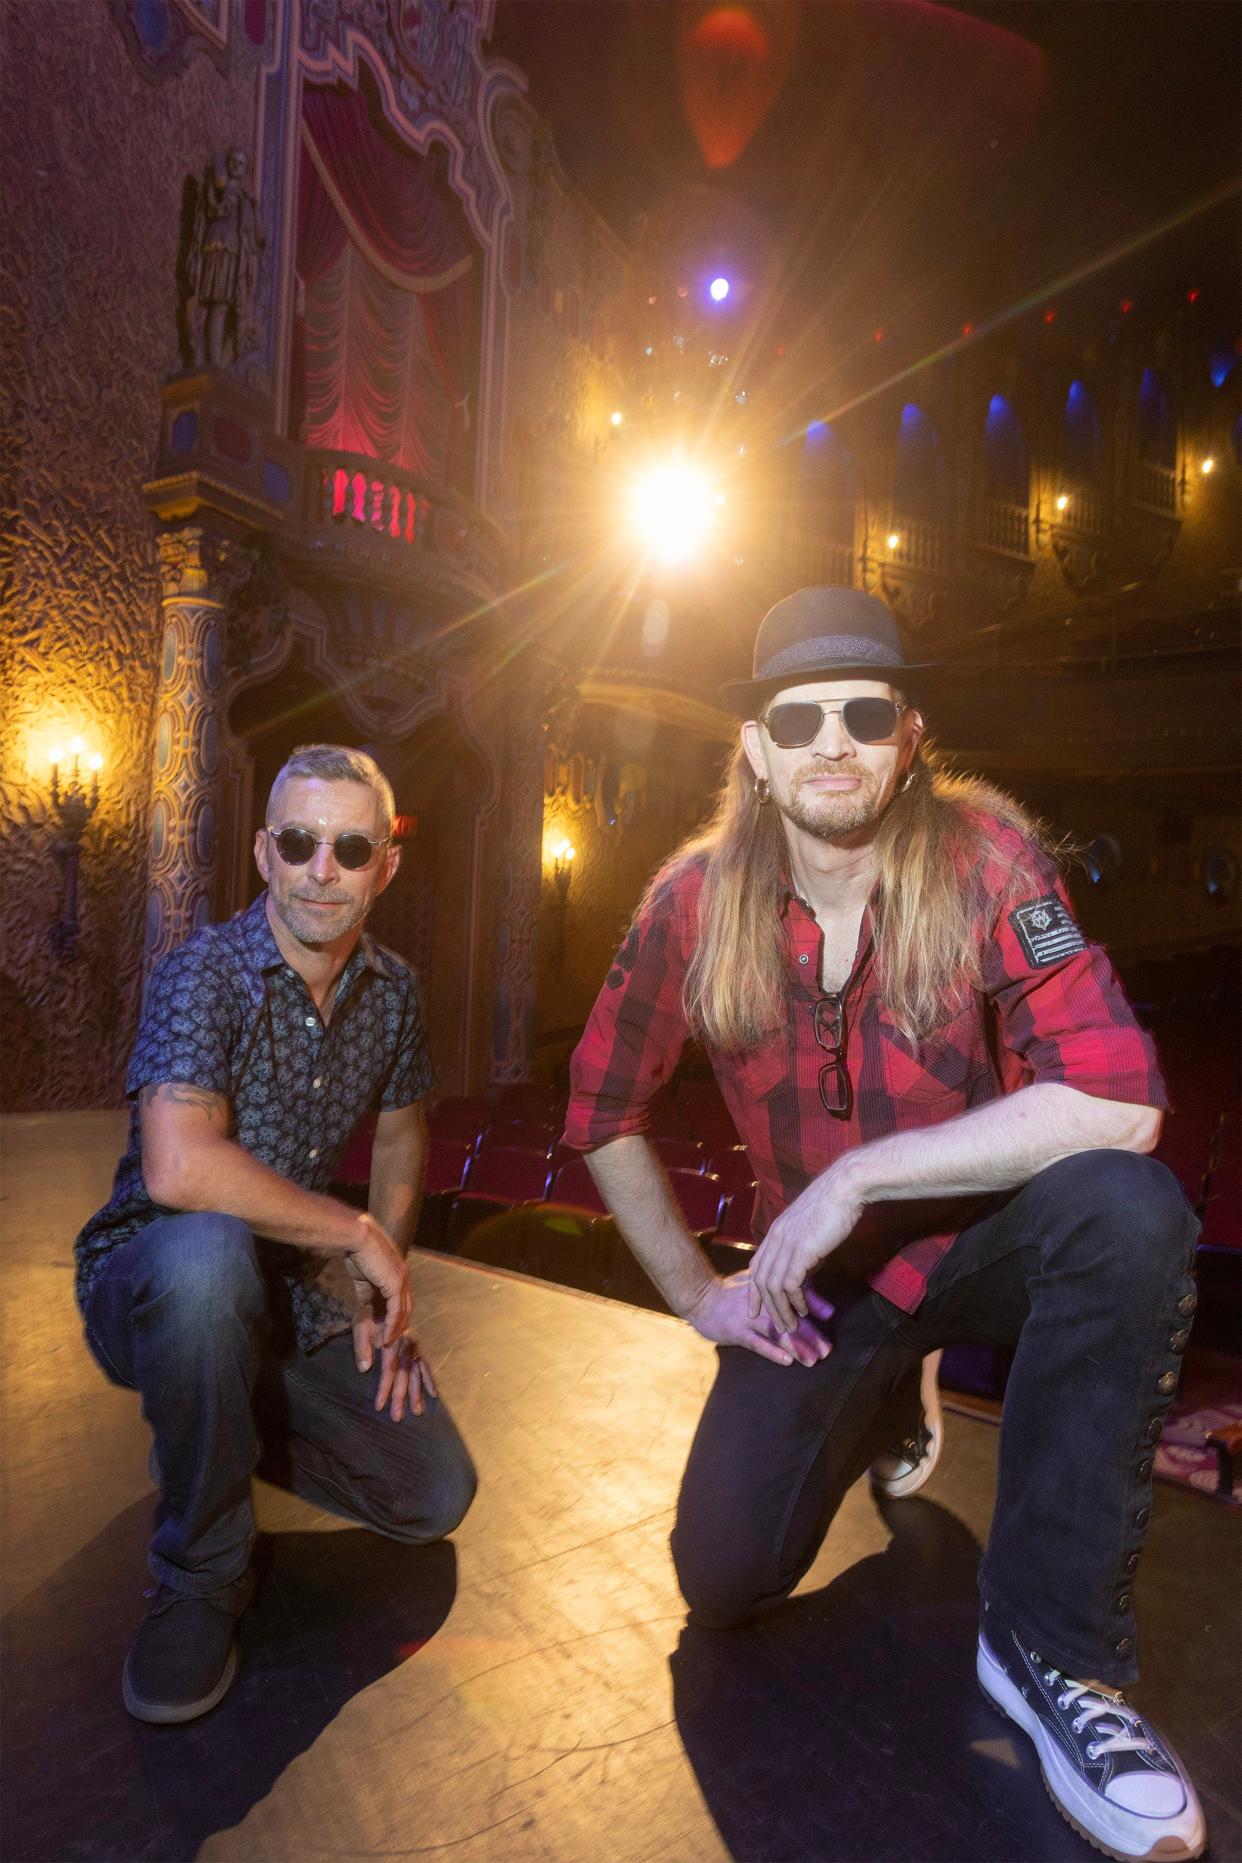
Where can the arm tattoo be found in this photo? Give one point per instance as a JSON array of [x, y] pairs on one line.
[[182, 1093]]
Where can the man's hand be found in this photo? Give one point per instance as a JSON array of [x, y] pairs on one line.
[[727, 1314], [814, 1224], [405, 1377], [377, 1270]]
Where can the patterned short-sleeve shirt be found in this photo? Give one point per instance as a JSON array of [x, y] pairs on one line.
[[225, 1011]]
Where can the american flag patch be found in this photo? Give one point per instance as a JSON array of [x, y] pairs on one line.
[[1046, 931]]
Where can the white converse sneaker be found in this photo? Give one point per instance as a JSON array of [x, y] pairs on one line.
[[905, 1470], [1108, 1772]]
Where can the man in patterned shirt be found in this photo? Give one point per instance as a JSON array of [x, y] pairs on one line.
[[206, 1281], [946, 1101]]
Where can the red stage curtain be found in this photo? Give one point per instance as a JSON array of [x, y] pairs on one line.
[[383, 365]]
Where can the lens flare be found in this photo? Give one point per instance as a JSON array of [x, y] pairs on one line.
[[673, 509]]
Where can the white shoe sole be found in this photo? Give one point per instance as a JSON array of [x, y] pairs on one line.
[[899, 1487], [1111, 1828]]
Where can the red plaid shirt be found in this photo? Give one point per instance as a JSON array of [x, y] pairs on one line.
[[1050, 1008]]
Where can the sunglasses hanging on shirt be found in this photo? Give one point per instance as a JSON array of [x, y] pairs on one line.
[[296, 846], [798, 722]]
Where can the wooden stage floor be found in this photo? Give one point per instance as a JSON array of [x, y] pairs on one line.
[[530, 1693]]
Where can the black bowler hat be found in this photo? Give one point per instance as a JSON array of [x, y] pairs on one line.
[[817, 632]]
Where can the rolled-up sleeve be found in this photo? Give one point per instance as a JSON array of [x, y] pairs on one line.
[[1063, 1013], [635, 1033]]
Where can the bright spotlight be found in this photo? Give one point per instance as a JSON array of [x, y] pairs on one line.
[[673, 510], [1062, 502], [719, 289], [1207, 465], [616, 417], [894, 539]]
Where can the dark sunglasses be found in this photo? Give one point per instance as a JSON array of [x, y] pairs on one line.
[[835, 1090], [297, 845], [799, 721]]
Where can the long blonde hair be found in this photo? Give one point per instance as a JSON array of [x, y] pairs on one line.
[[932, 845]]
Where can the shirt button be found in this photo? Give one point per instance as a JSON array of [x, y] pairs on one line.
[[1130, 1566], [317, 1081], [1167, 1383], [313, 1152], [1145, 1468], [1123, 1646], [802, 959], [1186, 1305], [310, 1022], [1142, 1517], [1154, 1429]]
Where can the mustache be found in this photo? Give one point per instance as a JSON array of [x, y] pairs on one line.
[[825, 768]]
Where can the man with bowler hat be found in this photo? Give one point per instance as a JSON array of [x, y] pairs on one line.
[[947, 1104]]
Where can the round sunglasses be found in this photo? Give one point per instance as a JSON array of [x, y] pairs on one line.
[[351, 850], [798, 722]]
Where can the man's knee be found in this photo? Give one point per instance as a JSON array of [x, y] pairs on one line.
[[721, 1593], [433, 1506], [1125, 1206], [202, 1266]]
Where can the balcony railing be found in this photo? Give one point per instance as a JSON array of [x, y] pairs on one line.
[[1004, 527], [1088, 511], [399, 516], [818, 561], [1155, 487], [920, 544]]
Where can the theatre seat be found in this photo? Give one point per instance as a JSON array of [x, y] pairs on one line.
[[733, 1167], [678, 1153], [574, 1185], [699, 1198], [498, 1180]]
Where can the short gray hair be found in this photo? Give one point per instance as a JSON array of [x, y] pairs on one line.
[[336, 763]]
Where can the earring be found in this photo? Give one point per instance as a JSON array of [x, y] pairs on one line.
[[763, 793], [908, 780]]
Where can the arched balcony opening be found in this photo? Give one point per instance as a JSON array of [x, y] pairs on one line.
[[825, 496], [385, 356], [1155, 464], [919, 479], [1003, 516]]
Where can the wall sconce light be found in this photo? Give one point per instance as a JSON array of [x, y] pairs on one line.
[[1062, 501], [74, 806], [894, 540], [1207, 465], [559, 855]]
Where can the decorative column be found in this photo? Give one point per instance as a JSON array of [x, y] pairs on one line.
[[181, 861], [519, 881]]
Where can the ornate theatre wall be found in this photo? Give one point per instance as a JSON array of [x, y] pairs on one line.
[[94, 161]]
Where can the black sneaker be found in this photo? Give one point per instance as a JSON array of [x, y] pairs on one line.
[[184, 1657], [909, 1464], [1108, 1772]]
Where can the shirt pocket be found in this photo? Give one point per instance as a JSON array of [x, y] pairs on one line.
[[756, 1072], [941, 1070]]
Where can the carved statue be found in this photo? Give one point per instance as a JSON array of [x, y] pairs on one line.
[[222, 267]]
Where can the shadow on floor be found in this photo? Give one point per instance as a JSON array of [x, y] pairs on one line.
[[335, 1611], [849, 1724]]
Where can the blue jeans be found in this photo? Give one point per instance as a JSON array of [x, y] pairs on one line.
[[1085, 1273], [180, 1314]]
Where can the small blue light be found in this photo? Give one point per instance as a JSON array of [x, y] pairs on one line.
[[1222, 365], [719, 290]]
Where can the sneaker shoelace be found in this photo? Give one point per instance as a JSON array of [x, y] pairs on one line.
[[1127, 1736]]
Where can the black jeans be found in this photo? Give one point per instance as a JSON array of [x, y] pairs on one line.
[[1085, 1273], [180, 1314]]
